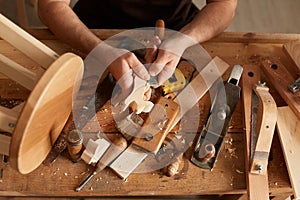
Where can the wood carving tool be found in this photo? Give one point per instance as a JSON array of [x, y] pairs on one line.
[[257, 185], [280, 78], [118, 144], [213, 133], [125, 164], [33, 131], [264, 117]]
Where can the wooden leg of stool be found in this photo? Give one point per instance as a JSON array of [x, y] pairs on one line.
[[26, 43], [8, 119], [17, 72], [4, 144]]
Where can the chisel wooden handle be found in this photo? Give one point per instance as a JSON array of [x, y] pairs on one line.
[[160, 29]]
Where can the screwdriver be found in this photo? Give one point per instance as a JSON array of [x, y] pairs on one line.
[[118, 145]]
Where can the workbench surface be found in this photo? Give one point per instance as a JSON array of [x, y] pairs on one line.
[[228, 176]]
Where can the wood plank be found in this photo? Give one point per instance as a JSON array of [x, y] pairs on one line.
[[288, 127], [8, 119], [26, 43], [17, 73], [4, 144], [257, 185], [292, 49], [280, 78], [265, 126]]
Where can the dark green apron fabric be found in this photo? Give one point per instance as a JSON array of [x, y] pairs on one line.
[[127, 14]]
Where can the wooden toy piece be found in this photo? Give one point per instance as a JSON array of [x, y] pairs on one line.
[[136, 97], [36, 124], [94, 150]]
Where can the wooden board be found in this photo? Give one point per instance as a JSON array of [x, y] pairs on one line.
[[26, 43], [280, 78], [292, 49], [45, 113], [257, 185], [288, 130]]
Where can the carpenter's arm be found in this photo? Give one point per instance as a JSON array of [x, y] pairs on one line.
[[213, 19], [64, 23]]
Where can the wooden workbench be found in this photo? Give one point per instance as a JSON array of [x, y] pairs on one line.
[[228, 176]]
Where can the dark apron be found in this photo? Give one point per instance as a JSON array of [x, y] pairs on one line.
[[127, 14]]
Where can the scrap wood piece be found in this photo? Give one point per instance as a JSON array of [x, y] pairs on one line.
[[292, 49], [288, 127], [257, 185], [280, 78]]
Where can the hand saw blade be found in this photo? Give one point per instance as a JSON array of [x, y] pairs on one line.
[[127, 162]]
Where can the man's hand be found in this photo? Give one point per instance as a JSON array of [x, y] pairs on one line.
[[164, 56]]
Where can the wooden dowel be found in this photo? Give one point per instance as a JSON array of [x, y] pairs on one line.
[[26, 43], [4, 144], [8, 119], [17, 72]]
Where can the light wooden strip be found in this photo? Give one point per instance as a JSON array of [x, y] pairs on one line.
[[17, 73], [8, 119], [199, 86], [26, 43], [288, 126], [4, 144], [267, 114], [292, 49], [257, 185], [281, 78]]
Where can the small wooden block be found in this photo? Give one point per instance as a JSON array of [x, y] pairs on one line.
[[94, 150], [4, 144], [157, 125], [288, 126], [280, 78]]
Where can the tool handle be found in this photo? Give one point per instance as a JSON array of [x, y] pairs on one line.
[[160, 29], [157, 125]]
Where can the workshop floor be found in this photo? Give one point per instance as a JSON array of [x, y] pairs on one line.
[[273, 16]]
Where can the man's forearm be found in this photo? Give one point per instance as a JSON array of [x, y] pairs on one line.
[[213, 19], [65, 24]]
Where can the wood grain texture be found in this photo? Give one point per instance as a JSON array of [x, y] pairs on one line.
[[23, 41], [17, 72], [45, 113], [288, 126], [228, 177], [257, 185], [265, 126], [280, 78], [5, 144], [8, 119], [292, 49], [157, 125]]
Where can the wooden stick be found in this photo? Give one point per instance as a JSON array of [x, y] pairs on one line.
[[5, 144], [8, 119], [26, 43], [257, 185], [288, 127], [17, 72]]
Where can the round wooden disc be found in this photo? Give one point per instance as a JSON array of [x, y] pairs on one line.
[[45, 113]]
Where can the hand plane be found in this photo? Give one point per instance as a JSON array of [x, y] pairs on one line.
[[213, 133]]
